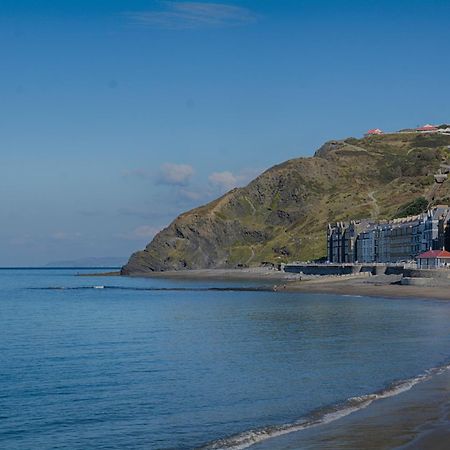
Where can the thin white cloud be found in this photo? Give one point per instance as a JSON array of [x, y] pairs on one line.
[[146, 232], [192, 195], [191, 15], [247, 175], [226, 180], [176, 174], [223, 180]]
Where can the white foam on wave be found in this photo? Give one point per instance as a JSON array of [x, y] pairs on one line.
[[99, 287], [247, 439]]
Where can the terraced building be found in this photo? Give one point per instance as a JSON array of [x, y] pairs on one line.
[[392, 241]]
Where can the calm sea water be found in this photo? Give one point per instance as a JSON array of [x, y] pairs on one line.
[[141, 369]]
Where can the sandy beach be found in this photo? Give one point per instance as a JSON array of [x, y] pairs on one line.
[[418, 419], [372, 286], [376, 286], [256, 274]]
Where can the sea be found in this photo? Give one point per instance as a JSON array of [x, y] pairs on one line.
[[145, 363]]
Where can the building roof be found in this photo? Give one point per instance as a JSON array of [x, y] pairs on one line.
[[432, 254], [427, 127], [375, 131]]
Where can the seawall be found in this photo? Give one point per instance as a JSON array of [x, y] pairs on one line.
[[374, 269], [343, 269]]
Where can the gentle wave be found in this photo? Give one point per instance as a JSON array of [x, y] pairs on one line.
[[319, 417]]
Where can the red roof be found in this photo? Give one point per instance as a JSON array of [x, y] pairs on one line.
[[432, 254], [375, 131], [427, 128]]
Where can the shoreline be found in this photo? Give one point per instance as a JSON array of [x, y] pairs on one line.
[[249, 274], [369, 288], [357, 285], [414, 419]]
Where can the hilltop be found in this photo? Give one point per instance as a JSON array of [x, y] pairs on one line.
[[282, 214]]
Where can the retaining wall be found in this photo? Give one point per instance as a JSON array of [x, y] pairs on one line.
[[427, 273], [374, 269]]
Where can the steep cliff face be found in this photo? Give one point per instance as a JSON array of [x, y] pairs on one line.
[[283, 213]]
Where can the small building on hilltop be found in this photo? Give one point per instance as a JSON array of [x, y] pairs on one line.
[[427, 129], [374, 132], [434, 259]]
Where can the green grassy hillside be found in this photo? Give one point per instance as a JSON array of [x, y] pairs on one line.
[[282, 215]]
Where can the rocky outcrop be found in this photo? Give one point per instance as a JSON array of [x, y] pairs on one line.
[[282, 214]]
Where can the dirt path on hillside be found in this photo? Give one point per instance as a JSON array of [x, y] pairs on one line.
[[376, 207]]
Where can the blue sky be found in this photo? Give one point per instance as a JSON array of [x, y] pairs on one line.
[[117, 115]]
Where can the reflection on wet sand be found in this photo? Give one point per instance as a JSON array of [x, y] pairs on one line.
[[416, 419]]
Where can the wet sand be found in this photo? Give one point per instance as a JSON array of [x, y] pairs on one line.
[[254, 274], [413, 420], [375, 286], [368, 287]]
